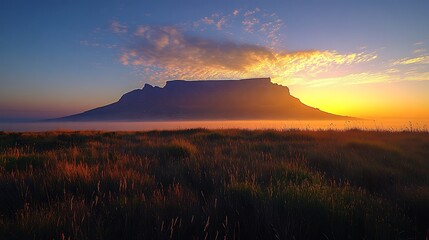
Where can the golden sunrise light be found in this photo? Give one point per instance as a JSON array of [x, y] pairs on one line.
[[225, 119]]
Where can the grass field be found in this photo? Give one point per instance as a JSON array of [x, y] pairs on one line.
[[214, 184]]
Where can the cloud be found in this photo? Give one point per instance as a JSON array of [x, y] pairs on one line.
[[118, 28], [416, 60], [251, 12], [207, 20], [249, 24], [250, 20], [387, 75], [215, 19], [168, 47], [220, 23], [141, 30], [420, 50], [164, 53], [348, 79], [265, 22]]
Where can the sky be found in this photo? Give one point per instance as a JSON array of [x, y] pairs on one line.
[[365, 58]]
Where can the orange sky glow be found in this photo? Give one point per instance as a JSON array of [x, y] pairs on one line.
[[374, 63]]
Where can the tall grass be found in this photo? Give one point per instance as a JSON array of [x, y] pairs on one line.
[[201, 184]]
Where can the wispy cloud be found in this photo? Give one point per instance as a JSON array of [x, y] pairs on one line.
[[167, 53], [405, 69], [251, 12], [220, 23], [169, 47], [388, 75], [262, 21], [250, 21], [347, 79], [207, 20], [216, 19], [420, 50], [118, 27], [415, 60]]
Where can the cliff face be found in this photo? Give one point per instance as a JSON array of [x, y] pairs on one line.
[[206, 100]]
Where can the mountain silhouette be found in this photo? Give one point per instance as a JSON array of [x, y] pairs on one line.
[[255, 98]]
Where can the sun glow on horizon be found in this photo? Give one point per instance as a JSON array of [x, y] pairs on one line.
[[372, 65], [370, 101]]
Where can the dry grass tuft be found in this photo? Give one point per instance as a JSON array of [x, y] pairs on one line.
[[202, 184]]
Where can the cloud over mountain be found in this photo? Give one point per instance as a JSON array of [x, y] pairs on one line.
[[246, 43], [168, 53]]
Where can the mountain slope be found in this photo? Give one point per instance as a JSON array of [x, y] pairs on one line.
[[198, 100]]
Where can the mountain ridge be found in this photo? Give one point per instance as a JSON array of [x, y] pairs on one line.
[[244, 99]]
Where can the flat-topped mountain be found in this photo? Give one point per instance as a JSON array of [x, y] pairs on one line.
[[206, 100]]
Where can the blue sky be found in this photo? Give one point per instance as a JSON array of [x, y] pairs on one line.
[[63, 57]]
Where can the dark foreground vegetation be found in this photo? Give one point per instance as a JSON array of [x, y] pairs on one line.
[[203, 184]]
